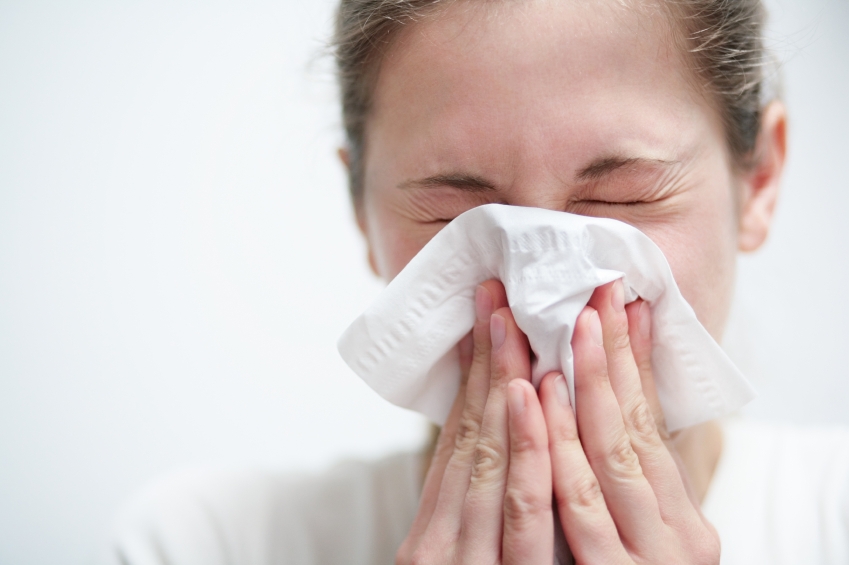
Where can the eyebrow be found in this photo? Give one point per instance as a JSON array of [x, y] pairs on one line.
[[595, 171], [468, 183], [607, 165]]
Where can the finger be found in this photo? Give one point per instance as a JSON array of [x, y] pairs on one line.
[[485, 499], [489, 296], [587, 524], [628, 375], [639, 332], [528, 518], [639, 323], [444, 447], [439, 460], [627, 344], [629, 496]]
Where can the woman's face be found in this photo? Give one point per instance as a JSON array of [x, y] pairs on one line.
[[582, 107]]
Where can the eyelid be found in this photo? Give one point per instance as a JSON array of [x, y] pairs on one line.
[[641, 195], [614, 202]]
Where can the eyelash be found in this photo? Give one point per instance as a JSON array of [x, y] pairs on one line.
[[608, 203], [577, 205], [578, 202]]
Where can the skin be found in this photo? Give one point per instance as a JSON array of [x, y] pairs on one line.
[[588, 108]]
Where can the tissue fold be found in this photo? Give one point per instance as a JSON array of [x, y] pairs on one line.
[[404, 345]]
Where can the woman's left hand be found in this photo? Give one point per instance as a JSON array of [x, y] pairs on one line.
[[621, 495]]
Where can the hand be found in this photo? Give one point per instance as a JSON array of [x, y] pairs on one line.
[[487, 495], [621, 495]]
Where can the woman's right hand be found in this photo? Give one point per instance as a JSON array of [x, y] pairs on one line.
[[487, 497]]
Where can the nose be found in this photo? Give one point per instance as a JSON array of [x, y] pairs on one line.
[[546, 193]]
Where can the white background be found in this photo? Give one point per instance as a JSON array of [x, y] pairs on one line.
[[177, 256]]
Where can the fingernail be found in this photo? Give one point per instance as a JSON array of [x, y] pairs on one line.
[[617, 297], [483, 304], [595, 329], [645, 319], [497, 331], [561, 390], [515, 398]]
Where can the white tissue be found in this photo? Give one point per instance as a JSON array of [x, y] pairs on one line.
[[404, 345]]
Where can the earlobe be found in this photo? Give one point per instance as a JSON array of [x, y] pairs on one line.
[[760, 185], [373, 263], [362, 224], [345, 157]]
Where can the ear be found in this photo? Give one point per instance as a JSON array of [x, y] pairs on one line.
[[759, 186], [362, 223], [360, 214]]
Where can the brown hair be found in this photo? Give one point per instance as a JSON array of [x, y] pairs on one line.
[[724, 38]]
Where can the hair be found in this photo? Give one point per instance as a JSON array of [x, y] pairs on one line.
[[723, 37]]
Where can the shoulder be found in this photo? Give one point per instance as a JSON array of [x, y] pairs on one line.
[[357, 512], [781, 494]]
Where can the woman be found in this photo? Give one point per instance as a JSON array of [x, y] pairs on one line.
[[650, 112]]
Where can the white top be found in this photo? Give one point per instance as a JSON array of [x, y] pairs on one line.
[[780, 495]]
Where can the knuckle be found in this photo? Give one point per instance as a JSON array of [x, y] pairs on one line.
[[642, 422], [585, 493], [621, 460], [563, 437], [644, 365], [522, 508], [468, 431], [482, 344], [489, 461], [526, 444]]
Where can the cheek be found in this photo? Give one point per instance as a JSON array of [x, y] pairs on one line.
[[393, 239], [701, 249]]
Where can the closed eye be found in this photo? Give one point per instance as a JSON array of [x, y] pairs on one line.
[[614, 203]]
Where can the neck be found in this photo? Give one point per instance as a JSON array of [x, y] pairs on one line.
[[699, 449]]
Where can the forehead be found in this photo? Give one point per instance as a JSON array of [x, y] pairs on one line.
[[539, 76]]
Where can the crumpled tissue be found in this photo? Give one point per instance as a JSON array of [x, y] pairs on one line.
[[404, 345]]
